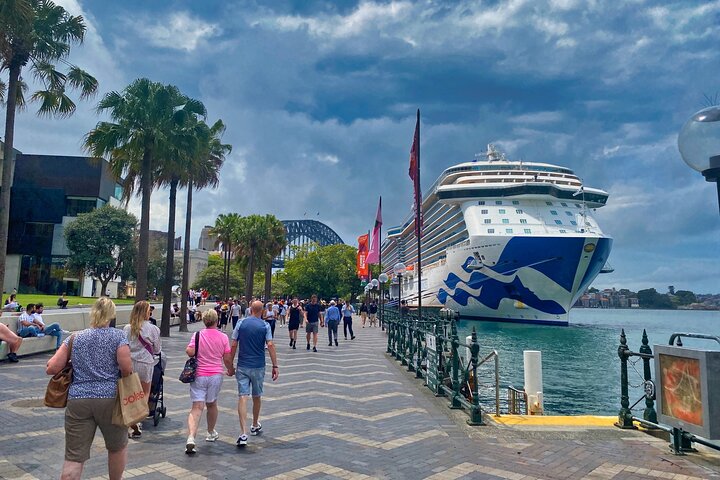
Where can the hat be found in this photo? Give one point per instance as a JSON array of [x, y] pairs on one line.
[[332, 303]]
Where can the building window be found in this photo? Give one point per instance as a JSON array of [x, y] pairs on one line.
[[481, 202], [559, 222], [39, 229], [516, 202], [563, 204], [508, 230], [563, 231], [487, 220], [498, 202], [568, 213], [523, 220], [527, 230], [573, 222], [75, 206], [548, 203], [118, 191], [553, 212], [505, 220], [518, 210], [484, 211], [491, 230], [501, 211]]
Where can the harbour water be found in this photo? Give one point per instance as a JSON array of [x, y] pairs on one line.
[[581, 369]]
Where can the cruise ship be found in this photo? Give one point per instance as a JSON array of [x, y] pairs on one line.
[[502, 240]]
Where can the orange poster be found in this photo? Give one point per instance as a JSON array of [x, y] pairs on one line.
[[362, 267]]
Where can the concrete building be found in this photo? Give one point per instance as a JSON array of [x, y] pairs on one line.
[[207, 240], [48, 192], [198, 263]]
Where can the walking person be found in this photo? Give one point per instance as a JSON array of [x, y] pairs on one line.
[[332, 317], [373, 309], [363, 313], [250, 338], [270, 317], [294, 313], [312, 319], [100, 355], [213, 350], [347, 313], [144, 340], [235, 313]]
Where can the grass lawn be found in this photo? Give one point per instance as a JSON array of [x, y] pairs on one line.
[[50, 301]]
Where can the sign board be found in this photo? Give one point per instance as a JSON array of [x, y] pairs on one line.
[[688, 389], [433, 363]]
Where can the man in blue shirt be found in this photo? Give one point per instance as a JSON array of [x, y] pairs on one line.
[[249, 338], [332, 317]]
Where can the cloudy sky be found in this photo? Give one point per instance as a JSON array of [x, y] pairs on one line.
[[319, 97]]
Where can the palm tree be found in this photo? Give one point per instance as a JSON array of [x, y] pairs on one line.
[[144, 117], [226, 229], [273, 243], [249, 238], [204, 172], [39, 33]]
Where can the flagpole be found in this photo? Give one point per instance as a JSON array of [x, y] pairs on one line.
[[381, 270], [418, 217]]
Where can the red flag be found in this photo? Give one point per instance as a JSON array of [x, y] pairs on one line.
[[374, 253], [414, 173], [362, 267]]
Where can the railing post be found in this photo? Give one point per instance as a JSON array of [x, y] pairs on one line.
[[403, 340], [421, 353], [625, 415], [389, 342], [649, 413], [455, 342], [475, 411], [411, 344]]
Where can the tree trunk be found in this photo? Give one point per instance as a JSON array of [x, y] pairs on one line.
[[8, 168], [226, 270], [103, 286], [186, 262], [268, 280], [249, 273], [141, 266], [169, 262]]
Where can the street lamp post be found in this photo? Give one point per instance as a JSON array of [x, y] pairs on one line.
[[399, 270], [699, 144], [383, 278]]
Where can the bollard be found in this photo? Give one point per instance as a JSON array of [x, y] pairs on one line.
[[532, 361], [625, 415], [649, 413]]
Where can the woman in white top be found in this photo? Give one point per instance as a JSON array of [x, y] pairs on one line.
[[269, 316], [144, 340]]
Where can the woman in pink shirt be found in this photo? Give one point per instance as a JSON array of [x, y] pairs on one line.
[[213, 350]]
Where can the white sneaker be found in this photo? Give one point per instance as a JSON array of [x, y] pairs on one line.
[[190, 445], [212, 436], [242, 440]]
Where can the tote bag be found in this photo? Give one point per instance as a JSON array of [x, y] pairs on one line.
[[56, 393], [131, 404], [190, 369]]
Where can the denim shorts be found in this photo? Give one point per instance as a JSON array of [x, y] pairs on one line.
[[247, 377]]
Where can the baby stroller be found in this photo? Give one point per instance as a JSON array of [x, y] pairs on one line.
[[157, 402]]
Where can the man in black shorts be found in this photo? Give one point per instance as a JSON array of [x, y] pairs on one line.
[[295, 312], [312, 319]]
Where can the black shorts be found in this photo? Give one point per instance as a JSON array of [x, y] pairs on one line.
[[294, 325]]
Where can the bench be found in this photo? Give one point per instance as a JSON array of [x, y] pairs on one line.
[[72, 320]]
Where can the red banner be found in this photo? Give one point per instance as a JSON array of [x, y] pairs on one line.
[[362, 266]]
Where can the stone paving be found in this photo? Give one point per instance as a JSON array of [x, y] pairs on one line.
[[347, 412]]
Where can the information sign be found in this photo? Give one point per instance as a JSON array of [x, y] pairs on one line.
[[433, 364]]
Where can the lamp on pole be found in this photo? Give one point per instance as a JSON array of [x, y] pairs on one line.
[[699, 144], [382, 278], [399, 270]]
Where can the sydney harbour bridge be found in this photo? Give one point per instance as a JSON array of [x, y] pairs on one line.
[[305, 232]]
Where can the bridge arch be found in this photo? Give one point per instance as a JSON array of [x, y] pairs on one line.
[[305, 232]]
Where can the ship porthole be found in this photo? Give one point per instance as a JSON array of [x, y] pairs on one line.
[[589, 247]]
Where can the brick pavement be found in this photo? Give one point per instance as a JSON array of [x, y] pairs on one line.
[[346, 412]]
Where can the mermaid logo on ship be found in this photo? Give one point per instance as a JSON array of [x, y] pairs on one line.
[[519, 267]]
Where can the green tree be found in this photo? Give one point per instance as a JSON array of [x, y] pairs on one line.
[[326, 271], [38, 33], [145, 116], [213, 279], [272, 243], [100, 242], [650, 298], [203, 173], [249, 236], [684, 297], [226, 230]]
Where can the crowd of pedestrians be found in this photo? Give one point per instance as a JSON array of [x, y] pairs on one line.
[[102, 354]]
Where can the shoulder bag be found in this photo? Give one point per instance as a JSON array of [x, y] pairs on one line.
[[190, 369], [56, 393]]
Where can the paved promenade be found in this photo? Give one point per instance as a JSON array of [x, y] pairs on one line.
[[347, 413]]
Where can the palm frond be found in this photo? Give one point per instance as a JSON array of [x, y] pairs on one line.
[[46, 72], [49, 101], [81, 80]]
